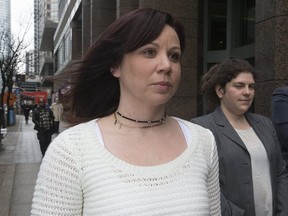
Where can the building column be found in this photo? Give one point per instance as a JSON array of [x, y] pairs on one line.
[[76, 39], [271, 48], [86, 30], [103, 13], [184, 103], [124, 6]]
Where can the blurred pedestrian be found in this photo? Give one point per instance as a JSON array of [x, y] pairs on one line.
[[57, 109], [26, 110], [127, 156], [43, 119], [253, 178]]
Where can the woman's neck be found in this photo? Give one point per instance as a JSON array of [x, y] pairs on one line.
[[237, 121], [141, 112]]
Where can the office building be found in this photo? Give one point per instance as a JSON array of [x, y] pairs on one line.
[[45, 23], [5, 26], [255, 30]]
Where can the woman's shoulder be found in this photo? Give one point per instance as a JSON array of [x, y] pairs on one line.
[[74, 144], [196, 129], [190, 124], [201, 139], [204, 120], [258, 118], [80, 134], [83, 125], [81, 129]]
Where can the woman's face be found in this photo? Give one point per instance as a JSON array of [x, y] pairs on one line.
[[151, 74], [238, 94]]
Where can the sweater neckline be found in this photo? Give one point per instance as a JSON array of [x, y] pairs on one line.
[[156, 170]]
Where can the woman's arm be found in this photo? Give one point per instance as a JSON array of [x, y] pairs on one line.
[[213, 183], [58, 189]]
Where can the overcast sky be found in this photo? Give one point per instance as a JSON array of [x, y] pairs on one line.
[[21, 22], [22, 18]]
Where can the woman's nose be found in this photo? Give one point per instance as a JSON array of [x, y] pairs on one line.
[[164, 64], [247, 90]]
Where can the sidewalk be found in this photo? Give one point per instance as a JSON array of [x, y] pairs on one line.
[[20, 158]]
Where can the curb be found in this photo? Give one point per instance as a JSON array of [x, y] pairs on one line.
[[6, 190]]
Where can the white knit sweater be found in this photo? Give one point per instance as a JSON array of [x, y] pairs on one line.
[[78, 176]]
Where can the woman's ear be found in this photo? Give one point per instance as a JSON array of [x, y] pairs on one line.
[[115, 71], [219, 91]]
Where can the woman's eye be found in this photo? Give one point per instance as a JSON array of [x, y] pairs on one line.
[[150, 52], [238, 86], [175, 57]]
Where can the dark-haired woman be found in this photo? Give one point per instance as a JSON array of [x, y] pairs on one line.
[[125, 156], [253, 179]]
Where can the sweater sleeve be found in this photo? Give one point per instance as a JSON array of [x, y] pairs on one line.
[[58, 187], [213, 182]]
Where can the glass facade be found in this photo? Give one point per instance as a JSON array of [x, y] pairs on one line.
[[61, 7], [217, 24], [69, 28], [244, 18], [52, 10], [5, 26], [5, 14], [47, 17], [230, 22], [64, 50]]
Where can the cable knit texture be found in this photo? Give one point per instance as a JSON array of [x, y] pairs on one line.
[[78, 176]]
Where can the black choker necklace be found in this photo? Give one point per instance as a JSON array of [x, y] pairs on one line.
[[117, 121], [162, 120]]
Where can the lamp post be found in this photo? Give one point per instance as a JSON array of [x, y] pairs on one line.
[[1, 114]]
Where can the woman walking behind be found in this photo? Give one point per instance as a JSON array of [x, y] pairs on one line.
[[253, 179]]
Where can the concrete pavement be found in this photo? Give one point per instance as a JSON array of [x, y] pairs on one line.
[[20, 159]]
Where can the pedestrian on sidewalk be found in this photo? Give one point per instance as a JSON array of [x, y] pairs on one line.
[[26, 110], [126, 156], [57, 109], [43, 119]]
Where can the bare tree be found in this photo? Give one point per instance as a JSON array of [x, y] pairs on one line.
[[11, 56]]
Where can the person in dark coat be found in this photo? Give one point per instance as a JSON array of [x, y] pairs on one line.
[[253, 178], [26, 111], [43, 119], [280, 118]]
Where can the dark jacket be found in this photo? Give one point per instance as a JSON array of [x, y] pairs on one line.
[[235, 170], [280, 117], [36, 117]]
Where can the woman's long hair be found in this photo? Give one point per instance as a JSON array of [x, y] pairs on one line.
[[94, 92]]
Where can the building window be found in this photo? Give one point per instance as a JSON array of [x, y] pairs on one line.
[[60, 55], [68, 44], [244, 22], [217, 24]]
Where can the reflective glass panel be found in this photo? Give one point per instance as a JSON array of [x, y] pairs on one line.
[[217, 24]]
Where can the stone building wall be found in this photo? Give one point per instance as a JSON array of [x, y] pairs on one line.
[[271, 51]]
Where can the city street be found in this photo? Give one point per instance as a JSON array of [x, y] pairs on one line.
[[20, 158]]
